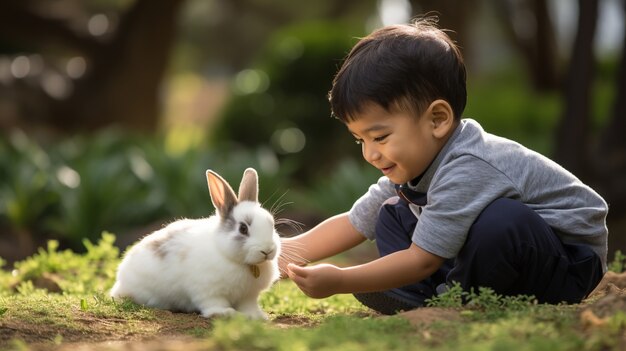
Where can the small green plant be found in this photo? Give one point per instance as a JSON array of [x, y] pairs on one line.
[[452, 298], [485, 300], [618, 263]]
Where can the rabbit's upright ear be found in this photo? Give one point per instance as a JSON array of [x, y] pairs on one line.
[[249, 187], [222, 195]]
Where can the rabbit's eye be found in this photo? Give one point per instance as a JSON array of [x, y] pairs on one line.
[[243, 229]]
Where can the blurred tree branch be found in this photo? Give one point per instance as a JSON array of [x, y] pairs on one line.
[[22, 24], [245, 26], [597, 158], [453, 15], [121, 84], [573, 132], [611, 161], [529, 27]]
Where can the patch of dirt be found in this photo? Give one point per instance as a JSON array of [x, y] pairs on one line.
[[161, 344], [29, 333], [168, 331], [606, 299], [423, 317], [287, 321], [88, 329], [611, 283]]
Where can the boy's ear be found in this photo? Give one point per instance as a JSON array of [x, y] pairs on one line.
[[442, 118]]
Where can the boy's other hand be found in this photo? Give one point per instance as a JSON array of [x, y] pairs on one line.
[[317, 281]]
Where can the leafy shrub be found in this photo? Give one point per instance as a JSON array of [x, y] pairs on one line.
[[79, 187], [27, 192], [108, 193], [65, 270]]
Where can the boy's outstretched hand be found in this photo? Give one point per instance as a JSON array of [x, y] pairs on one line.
[[317, 281], [397, 269]]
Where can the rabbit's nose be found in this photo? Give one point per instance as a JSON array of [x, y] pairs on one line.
[[267, 253]]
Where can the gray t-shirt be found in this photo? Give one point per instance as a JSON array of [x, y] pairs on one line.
[[475, 168]]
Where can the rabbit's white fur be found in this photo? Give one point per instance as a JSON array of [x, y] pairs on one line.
[[205, 264]]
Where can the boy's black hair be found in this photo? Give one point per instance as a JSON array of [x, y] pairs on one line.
[[400, 67]]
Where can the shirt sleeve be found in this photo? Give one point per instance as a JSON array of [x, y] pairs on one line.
[[460, 191], [364, 213]]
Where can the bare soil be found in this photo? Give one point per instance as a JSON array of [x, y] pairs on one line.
[[168, 331]]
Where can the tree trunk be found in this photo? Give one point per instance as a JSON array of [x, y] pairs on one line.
[[453, 15], [536, 42], [610, 163], [123, 85], [26, 30], [545, 57], [572, 134]]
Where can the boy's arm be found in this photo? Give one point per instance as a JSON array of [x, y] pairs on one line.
[[332, 236], [391, 271]]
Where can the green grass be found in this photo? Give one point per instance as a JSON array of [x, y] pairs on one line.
[[81, 312]]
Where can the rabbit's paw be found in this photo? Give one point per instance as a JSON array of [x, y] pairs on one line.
[[253, 311], [218, 312], [257, 315]]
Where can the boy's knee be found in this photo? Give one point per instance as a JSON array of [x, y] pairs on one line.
[[504, 220]]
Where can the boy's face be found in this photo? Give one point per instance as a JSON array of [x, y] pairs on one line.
[[399, 144]]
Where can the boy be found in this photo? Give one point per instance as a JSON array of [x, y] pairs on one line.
[[454, 204]]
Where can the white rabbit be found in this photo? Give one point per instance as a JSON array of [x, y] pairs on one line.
[[216, 266]]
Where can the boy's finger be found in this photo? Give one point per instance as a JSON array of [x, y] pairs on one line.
[[294, 269], [295, 277]]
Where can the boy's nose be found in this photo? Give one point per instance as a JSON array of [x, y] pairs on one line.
[[370, 153]]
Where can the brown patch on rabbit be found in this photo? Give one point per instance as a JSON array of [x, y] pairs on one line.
[[159, 247], [163, 245], [167, 243]]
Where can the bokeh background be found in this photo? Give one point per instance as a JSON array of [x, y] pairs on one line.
[[112, 110]]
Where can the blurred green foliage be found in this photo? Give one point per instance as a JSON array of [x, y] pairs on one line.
[[110, 181], [335, 192], [505, 106], [503, 101], [25, 188], [281, 102]]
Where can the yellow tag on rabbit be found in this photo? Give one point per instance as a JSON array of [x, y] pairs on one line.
[[254, 269]]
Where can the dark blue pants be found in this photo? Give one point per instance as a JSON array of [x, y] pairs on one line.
[[509, 248]]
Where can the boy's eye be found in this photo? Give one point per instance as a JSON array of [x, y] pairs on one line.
[[381, 138]]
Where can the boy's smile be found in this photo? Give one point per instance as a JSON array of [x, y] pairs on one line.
[[399, 144]]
